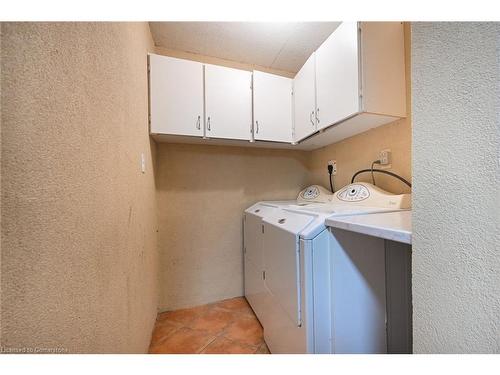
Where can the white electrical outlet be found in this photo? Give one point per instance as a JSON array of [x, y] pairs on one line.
[[385, 157], [333, 163], [143, 163]]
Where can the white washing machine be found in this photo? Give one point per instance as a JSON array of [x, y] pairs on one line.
[[255, 290], [316, 290]]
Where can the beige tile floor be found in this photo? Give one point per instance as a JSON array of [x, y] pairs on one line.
[[225, 327]]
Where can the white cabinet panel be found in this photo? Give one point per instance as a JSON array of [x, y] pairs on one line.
[[304, 93], [254, 264], [255, 290], [358, 292], [337, 76], [228, 102], [176, 96], [383, 62], [272, 107]]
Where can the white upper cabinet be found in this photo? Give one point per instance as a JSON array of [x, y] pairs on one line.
[[337, 72], [355, 81], [272, 107], [304, 93], [360, 80], [228, 103], [176, 96]]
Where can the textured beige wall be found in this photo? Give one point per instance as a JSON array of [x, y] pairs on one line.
[[79, 250], [358, 152], [202, 192]]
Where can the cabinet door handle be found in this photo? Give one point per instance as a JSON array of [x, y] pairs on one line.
[[257, 123], [311, 118], [208, 123], [317, 115], [198, 123]]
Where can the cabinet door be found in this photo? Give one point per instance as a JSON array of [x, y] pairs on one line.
[[176, 96], [337, 75], [272, 107], [304, 94], [228, 100]]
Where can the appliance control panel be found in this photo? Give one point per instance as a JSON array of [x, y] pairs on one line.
[[353, 193], [360, 194], [314, 194], [310, 193], [365, 194]]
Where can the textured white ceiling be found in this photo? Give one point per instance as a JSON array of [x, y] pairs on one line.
[[278, 45]]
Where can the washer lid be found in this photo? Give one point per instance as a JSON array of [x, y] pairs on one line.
[[290, 221]]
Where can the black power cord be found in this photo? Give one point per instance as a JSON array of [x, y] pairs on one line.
[[330, 171], [380, 171], [373, 177]]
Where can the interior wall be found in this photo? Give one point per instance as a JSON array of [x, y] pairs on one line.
[[79, 249], [456, 278], [202, 192], [358, 152]]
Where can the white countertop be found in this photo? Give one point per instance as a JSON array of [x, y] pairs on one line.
[[394, 226]]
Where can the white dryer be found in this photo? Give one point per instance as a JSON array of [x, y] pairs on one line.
[[312, 292]]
